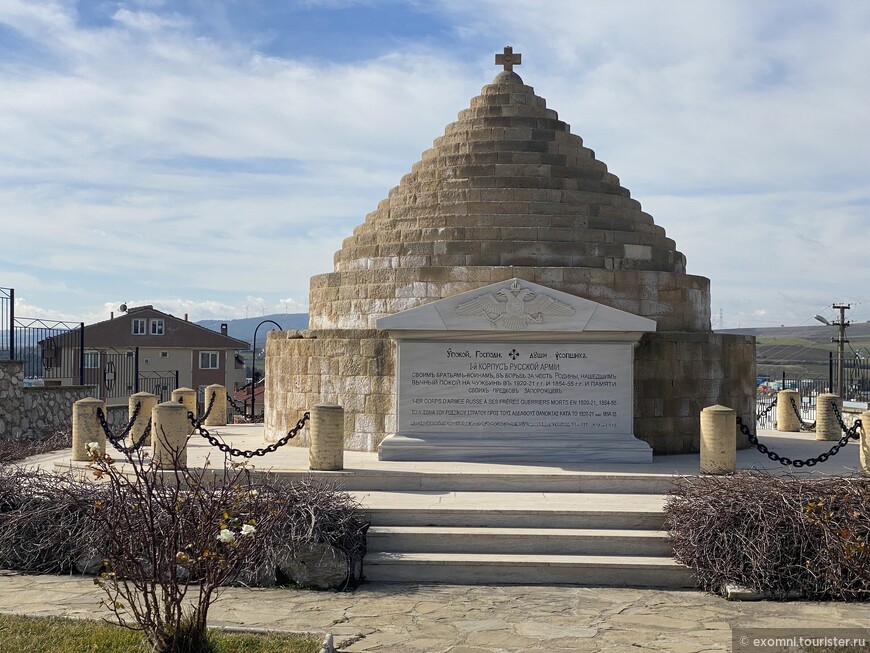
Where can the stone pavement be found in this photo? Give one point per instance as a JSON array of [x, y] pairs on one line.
[[294, 458], [479, 619]]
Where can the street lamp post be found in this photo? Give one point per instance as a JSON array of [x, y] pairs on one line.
[[254, 360]]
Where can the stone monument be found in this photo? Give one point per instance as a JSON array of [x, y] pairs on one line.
[[517, 372], [507, 194]]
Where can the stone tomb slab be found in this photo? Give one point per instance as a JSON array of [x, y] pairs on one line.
[[515, 372]]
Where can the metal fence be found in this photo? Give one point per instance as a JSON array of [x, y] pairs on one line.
[[160, 383], [808, 389], [53, 353], [7, 317], [857, 373], [116, 374], [51, 350]]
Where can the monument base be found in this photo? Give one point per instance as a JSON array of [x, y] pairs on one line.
[[549, 449]]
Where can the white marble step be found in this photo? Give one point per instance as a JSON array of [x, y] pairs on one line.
[[492, 478], [479, 568], [539, 541], [514, 509]]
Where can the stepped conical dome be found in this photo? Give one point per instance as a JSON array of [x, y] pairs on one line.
[[507, 192], [507, 184]]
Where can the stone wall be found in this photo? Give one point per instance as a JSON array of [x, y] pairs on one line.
[[25, 410], [356, 299], [679, 374], [352, 368], [117, 416], [11, 391]]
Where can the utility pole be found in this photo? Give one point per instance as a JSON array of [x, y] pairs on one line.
[[840, 388], [841, 341]]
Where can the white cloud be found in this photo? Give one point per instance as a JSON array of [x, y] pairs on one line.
[[147, 21], [142, 155]]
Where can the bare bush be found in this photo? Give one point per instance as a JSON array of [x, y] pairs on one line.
[[165, 540], [171, 539], [317, 513], [780, 535], [45, 526], [32, 443]]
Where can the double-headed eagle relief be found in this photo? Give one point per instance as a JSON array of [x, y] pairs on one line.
[[516, 310]]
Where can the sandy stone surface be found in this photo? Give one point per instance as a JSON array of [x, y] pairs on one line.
[[475, 619]]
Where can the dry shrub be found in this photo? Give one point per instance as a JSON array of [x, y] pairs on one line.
[[166, 540], [32, 443], [786, 536], [44, 521], [318, 513]]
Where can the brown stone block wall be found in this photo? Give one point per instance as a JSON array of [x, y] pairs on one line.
[[352, 368], [356, 299], [679, 374]]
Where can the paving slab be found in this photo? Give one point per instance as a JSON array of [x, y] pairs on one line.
[[381, 618], [363, 463]]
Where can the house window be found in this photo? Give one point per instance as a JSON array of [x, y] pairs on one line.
[[156, 327], [164, 354], [208, 360], [92, 360], [139, 326]]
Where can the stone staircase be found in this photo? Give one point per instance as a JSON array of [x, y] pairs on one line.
[[579, 529]]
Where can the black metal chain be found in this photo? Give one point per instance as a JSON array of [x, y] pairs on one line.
[[839, 416], [764, 413], [849, 434], [210, 406], [207, 411], [236, 407], [240, 453], [116, 440], [804, 425]]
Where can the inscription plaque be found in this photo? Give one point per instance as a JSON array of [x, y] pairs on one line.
[[515, 372], [514, 388]]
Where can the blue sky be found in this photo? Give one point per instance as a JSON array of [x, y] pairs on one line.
[[208, 157]]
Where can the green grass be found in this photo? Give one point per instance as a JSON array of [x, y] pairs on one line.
[[54, 635]]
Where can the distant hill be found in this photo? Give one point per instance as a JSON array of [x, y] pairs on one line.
[[802, 350], [243, 329], [816, 331]]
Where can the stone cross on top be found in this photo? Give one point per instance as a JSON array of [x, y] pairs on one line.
[[508, 59]]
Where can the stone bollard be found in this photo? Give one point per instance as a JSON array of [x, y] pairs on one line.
[[827, 425], [718, 440], [169, 429], [147, 402], [787, 420], [218, 414], [186, 396], [326, 451], [86, 427], [864, 442]]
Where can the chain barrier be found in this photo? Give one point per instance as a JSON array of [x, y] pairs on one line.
[[839, 416], [204, 416], [240, 453], [116, 440], [236, 407], [759, 416], [850, 433], [804, 425]]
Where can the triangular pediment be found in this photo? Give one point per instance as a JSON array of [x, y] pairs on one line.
[[516, 306]]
